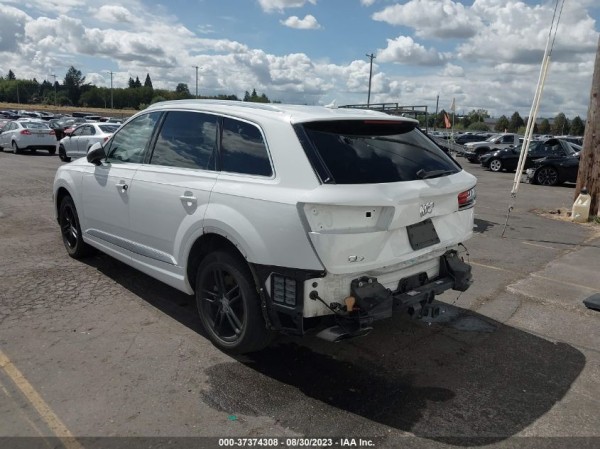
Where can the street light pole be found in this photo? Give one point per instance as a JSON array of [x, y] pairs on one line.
[[371, 57], [111, 91], [196, 67], [54, 76]]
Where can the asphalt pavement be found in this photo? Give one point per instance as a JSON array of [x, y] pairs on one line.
[[96, 354]]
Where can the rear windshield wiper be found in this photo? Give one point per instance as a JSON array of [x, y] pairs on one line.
[[422, 174]]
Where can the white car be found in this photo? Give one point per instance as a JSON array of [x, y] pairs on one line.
[[77, 143], [32, 135], [275, 215]]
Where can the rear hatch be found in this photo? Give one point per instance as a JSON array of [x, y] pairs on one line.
[[389, 196]]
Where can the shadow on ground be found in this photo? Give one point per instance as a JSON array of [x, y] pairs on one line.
[[465, 380]]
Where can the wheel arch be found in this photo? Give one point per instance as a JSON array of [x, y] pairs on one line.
[[61, 193], [203, 246]]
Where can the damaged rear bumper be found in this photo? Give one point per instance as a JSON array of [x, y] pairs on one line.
[[370, 300]]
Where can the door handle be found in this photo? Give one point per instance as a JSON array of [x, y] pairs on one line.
[[122, 186], [188, 199]]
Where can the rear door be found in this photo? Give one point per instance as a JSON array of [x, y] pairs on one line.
[[172, 190]]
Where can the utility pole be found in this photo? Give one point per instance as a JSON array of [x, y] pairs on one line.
[[437, 104], [589, 161], [111, 91], [196, 67], [371, 57], [54, 76]]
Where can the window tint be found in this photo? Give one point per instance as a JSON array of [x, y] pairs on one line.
[[243, 149], [372, 152], [129, 143], [186, 139]]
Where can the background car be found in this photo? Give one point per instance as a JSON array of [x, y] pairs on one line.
[[77, 143], [28, 135], [552, 171], [65, 123], [508, 158]]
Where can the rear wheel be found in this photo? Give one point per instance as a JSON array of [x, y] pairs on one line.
[[52, 151], [496, 165], [480, 152], [546, 176], [71, 230], [229, 305], [15, 148], [62, 154]]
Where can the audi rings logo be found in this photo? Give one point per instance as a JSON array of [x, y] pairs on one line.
[[426, 208]]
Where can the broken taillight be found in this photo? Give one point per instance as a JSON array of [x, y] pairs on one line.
[[466, 199]]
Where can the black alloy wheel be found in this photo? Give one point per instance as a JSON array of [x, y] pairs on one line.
[[546, 176], [71, 230], [228, 304]]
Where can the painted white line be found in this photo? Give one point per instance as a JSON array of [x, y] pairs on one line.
[[539, 246]]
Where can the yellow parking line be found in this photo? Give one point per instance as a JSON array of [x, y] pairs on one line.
[[52, 421]]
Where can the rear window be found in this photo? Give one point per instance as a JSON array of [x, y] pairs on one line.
[[372, 152], [35, 125], [108, 128]]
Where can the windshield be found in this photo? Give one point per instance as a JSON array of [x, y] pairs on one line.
[[373, 152]]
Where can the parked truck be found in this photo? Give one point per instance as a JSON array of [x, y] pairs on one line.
[[474, 150]]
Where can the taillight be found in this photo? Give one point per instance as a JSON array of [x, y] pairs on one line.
[[466, 199], [26, 132]]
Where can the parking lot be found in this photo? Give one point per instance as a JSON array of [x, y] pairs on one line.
[[97, 349]]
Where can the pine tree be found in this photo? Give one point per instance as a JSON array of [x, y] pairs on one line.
[[11, 76], [137, 82], [148, 82]]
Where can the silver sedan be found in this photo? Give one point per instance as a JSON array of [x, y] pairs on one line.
[[78, 143]]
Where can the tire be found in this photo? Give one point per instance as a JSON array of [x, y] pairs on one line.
[[546, 176], [229, 305], [62, 154], [71, 230], [52, 151], [496, 165], [15, 148]]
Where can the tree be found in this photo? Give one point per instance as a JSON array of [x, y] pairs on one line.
[[561, 125], [148, 81], [577, 126], [515, 122], [478, 126], [182, 91], [11, 76], [545, 127], [137, 82], [465, 121], [131, 83], [589, 164], [73, 83], [478, 115], [502, 124]]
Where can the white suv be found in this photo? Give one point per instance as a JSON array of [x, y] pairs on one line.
[[275, 215]]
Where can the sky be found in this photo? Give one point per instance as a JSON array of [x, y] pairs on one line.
[[484, 53]]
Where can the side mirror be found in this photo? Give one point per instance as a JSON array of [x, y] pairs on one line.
[[96, 154]]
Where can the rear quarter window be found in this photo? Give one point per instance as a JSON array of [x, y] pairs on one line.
[[243, 149], [372, 152]]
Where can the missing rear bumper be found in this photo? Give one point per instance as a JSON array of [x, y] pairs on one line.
[[370, 301]]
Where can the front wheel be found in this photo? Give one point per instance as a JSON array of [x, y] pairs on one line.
[[62, 154], [71, 230], [496, 165], [229, 305], [546, 176]]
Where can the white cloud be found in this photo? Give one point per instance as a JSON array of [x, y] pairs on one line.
[[114, 14], [404, 50], [308, 23], [453, 71], [12, 28], [367, 2], [432, 18], [281, 5]]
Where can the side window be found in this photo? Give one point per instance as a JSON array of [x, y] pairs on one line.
[[77, 132], [188, 140], [89, 131], [129, 144], [243, 149]]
